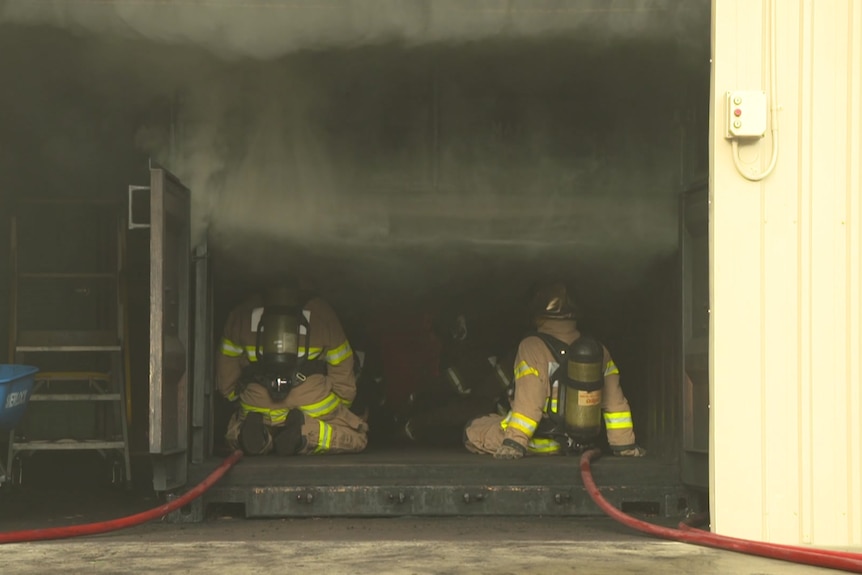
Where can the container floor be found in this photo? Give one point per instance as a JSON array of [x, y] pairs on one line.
[[438, 482]]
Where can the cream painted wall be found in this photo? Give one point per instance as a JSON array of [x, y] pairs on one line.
[[786, 292]]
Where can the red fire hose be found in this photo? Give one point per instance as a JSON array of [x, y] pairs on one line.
[[124, 522], [844, 560]]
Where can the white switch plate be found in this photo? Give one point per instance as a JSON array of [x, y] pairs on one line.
[[746, 114]]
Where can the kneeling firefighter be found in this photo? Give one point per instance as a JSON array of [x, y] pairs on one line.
[[564, 384], [285, 361]]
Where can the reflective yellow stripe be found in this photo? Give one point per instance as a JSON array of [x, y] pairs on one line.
[[522, 423], [618, 420], [276, 416], [551, 406], [229, 348], [611, 368], [324, 438], [315, 352], [323, 407], [522, 370], [251, 352], [345, 402], [339, 354], [543, 445], [232, 395]]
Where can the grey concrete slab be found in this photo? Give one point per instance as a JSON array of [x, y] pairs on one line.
[[374, 546]]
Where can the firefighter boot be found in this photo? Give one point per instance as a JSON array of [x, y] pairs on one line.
[[253, 435], [289, 440]]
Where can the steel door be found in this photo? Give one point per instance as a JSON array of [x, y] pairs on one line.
[[170, 258], [695, 329]]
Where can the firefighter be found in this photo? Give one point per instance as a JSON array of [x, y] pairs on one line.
[[295, 399], [436, 372], [528, 427]]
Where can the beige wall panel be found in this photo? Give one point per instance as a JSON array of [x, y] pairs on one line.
[[786, 253]]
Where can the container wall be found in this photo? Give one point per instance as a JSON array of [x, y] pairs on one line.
[[552, 138], [786, 298]]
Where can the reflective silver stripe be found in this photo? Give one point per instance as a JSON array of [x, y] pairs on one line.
[[315, 352], [229, 348], [276, 416], [251, 352], [522, 423], [323, 407], [543, 445], [522, 370], [339, 354], [324, 438], [618, 420]]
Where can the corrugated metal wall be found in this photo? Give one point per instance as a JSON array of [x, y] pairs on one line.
[[786, 301]]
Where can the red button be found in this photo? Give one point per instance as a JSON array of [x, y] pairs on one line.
[[737, 112]]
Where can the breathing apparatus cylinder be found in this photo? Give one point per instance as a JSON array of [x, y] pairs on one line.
[[582, 392], [577, 390]]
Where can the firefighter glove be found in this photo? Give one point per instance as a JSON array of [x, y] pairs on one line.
[[635, 451], [510, 449]]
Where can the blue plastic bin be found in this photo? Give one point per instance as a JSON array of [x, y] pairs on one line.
[[16, 384]]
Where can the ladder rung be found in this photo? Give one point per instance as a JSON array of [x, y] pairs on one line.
[[32, 348], [67, 445], [72, 376], [69, 276], [75, 397], [68, 340]]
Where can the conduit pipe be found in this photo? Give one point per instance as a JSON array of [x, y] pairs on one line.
[[124, 522], [844, 560]]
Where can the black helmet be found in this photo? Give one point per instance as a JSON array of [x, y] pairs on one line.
[[552, 301]]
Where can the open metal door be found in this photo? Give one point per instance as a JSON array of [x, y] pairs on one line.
[[170, 259], [694, 230]]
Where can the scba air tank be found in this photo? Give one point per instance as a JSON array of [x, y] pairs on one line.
[[583, 390]]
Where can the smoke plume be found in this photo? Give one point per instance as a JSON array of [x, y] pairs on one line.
[[267, 29], [392, 139]]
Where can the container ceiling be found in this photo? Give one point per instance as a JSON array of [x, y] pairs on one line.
[[270, 29], [394, 141]]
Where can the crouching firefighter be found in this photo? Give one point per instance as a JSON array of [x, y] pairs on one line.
[[286, 363], [564, 384]]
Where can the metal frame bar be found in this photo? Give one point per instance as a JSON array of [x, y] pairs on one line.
[[201, 406], [132, 224], [694, 463]]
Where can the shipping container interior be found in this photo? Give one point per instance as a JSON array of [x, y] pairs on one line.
[[401, 175]]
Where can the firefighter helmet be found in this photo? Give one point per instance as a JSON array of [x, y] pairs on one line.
[[552, 301]]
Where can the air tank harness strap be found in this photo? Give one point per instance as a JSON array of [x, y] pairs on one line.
[[310, 367], [557, 347]]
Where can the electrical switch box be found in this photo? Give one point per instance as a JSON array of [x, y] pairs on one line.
[[746, 114]]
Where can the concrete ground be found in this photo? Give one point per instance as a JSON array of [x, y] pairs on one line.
[[226, 544], [375, 546]]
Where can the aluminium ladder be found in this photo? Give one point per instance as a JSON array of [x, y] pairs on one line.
[[68, 318]]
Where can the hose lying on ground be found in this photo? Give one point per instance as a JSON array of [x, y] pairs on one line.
[[124, 522], [687, 534]]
